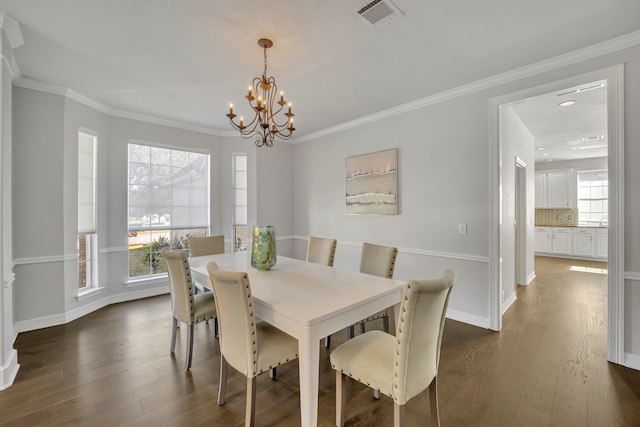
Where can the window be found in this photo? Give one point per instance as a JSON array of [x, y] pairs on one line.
[[593, 197], [87, 240], [168, 202], [240, 194]]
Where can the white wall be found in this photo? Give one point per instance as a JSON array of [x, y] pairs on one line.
[[444, 180], [516, 140], [45, 201]]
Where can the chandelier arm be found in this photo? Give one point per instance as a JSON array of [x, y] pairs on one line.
[[264, 125]]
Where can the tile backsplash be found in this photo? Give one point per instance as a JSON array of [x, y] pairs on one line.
[[557, 217]]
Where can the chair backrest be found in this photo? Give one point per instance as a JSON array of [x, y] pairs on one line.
[[181, 288], [236, 321], [209, 245], [378, 260], [419, 335], [321, 250]]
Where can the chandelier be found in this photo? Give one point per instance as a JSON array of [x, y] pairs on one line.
[[265, 125]]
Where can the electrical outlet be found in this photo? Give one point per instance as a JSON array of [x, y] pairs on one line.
[[462, 228]]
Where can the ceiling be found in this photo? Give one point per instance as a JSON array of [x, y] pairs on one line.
[[567, 132], [187, 60]]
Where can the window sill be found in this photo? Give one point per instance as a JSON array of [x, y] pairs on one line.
[[87, 293], [133, 283]]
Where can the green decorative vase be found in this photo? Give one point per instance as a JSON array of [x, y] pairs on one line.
[[263, 247]]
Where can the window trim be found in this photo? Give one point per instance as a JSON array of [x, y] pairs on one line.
[[149, 278]]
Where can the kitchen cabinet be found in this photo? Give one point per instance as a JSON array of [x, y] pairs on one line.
[[584, 242], [543, 239], [541, 190], [555, 189], [561, 241], [602, 243], [573, 242]]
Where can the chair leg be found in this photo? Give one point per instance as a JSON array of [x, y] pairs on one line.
[[272, 373], [250, 416], [398, 415], [189, 357], [385, 324], [327, 341], [222, 386], [174, 332], [433, 398], [341, 398], [350, 332], [362, 327]]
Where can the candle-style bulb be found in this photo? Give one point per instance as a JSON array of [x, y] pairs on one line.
[[230, 108]]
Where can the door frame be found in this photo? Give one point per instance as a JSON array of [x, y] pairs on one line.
[[521, 222], [615, 123]]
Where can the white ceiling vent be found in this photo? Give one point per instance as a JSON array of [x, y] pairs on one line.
[[379, 12]]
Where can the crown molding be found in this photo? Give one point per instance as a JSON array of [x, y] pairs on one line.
[[41, 86], [12, 28], [580, 55]]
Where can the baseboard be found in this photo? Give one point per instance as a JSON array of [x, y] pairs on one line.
[[632, 361], [530, 277], [9, 370], [471, 319], [508, 303], [61, 319]]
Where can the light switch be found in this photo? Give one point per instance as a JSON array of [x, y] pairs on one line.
[[462, 228]]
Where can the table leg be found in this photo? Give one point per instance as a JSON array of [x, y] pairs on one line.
[[309, 365]]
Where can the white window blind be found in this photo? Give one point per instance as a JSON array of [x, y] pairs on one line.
[[168, 188], [593, 197], [86, 183], [240, 184]]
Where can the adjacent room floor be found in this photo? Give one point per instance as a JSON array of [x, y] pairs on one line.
[[546, 368]]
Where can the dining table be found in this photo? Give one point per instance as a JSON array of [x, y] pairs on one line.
[[309, 302]]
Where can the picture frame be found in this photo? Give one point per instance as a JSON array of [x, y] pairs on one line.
[[371, 183]]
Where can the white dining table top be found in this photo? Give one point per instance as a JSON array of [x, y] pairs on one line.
[[305, 292]]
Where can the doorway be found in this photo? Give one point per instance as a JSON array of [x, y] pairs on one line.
[[615, 164]]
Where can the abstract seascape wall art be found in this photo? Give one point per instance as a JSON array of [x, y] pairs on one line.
[[372, 183]]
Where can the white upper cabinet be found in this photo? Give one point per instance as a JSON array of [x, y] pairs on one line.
[[541, 190], [555, 189]]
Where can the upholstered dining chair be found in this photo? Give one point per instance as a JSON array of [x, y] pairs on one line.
[[380, 261], [403, 366], [249, 345], [201, 246], [185, 305], [321, 250]]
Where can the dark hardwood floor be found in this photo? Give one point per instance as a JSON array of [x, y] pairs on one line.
[[546, 368]]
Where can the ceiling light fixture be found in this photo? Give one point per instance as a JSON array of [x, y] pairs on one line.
[[545, 154], [540, 148], [589, 147], [265, 125], [592, 138], [567, 103]]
